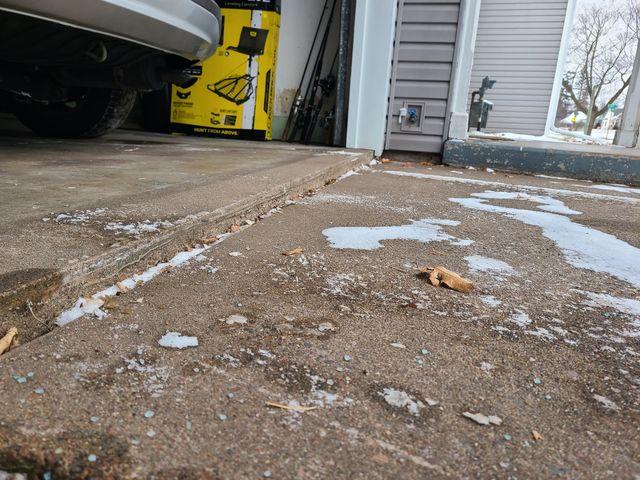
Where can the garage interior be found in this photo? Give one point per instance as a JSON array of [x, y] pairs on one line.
[[78, 213]]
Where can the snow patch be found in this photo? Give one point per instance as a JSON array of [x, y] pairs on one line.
[[400, 399], [528, 188], [369, 238], [616, 188], [545, 203], [478, 263], [235, 320], [583, 247], [137, 229], [77, 217], [627, 306], [521, 319], [178, 341], [490, 300], [93, 304]]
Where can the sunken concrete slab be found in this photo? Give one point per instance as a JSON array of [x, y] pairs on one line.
[[586, 162], [77, 213]]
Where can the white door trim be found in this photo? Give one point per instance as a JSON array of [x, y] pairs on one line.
[[374, 32], [565, 43], [457, 114]]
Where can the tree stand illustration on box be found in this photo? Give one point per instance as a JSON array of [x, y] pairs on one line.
[[240, 89]]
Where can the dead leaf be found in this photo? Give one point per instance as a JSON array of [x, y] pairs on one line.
[[210, 240], [385, 160], [440, 276], [8, 340], [234, 228], [482, 419], [294, 252], [109, 303], [536, 435], [122, 288], [292, 408]]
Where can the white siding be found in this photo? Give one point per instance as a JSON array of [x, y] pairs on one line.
[[518, 45]]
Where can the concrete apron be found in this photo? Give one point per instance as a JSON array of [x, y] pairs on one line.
[[210, 184], [584, 162]]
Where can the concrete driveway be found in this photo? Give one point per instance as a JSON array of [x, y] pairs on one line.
[[76, 214], [339, 361]]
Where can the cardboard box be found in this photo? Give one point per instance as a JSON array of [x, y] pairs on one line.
[[234, 94]]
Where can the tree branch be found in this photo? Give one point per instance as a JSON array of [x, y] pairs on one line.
[[569, 88], [615, 97]]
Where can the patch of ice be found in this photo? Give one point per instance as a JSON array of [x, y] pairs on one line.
[[541, 333], [350, 173], [137, 229], [490, 301], [177, 340], [486, 366], [552, 177], [627, 306], [606, 403], [521, 319], [400, 399], [338, 282], [78, 217], [210, 269], [369, 238], [583, 247], [616, 188], [511, 186], [478, 263], [235, 320], [91, 306], [546, 203]]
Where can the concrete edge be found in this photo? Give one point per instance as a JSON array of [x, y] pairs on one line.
[[53, 292], [548, 161]]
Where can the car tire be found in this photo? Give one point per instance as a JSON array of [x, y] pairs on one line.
[[91, 113]]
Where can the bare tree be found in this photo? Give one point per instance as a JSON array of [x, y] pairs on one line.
[[605, 38]]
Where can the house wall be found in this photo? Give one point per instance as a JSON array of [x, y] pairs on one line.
[[426, 33], [518, 44]]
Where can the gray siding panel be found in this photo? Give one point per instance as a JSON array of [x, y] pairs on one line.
[[423, 58], [518, 44]]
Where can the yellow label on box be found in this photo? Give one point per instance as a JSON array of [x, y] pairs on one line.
[[234, 94]]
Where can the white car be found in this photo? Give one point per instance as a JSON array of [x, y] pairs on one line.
[[71, 68]]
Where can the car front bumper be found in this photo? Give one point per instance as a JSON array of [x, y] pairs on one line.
[[188, 28]]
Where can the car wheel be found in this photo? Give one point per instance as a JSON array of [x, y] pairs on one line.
[[89, 113]]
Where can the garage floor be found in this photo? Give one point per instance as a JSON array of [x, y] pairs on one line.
[[78, 212]]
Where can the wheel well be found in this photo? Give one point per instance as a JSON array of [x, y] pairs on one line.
[[74, 57]]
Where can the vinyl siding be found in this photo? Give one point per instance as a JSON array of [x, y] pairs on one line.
[[423, 58], [518, 45]]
